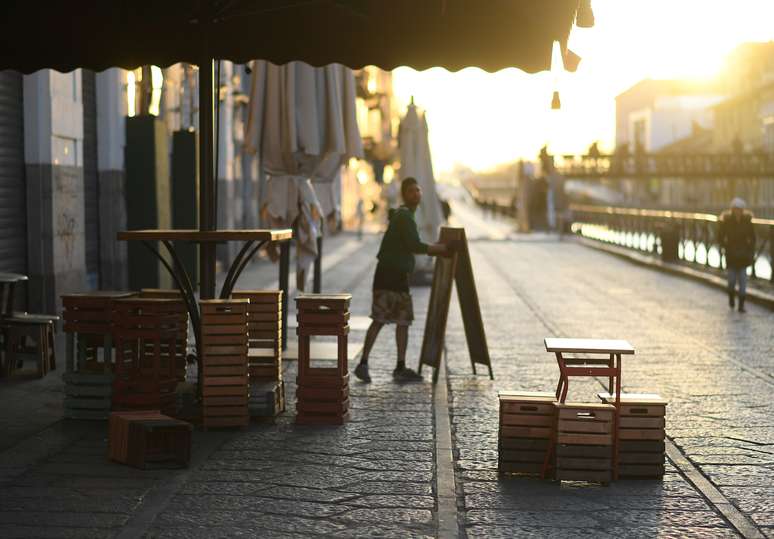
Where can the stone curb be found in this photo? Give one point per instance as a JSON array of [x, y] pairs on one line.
[[753, 295]]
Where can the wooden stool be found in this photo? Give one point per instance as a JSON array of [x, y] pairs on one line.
[[527, 421], [264, 354], [323, 392], [179, 310], [149, 439], [641, 434], [40, 328], [144, 333], [224, 362], [584, 442]]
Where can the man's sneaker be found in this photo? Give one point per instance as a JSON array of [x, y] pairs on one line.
[[361, 371], [406, 375]]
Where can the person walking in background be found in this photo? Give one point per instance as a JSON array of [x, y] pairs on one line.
[[737, 239], [391, 303], [360, 216]]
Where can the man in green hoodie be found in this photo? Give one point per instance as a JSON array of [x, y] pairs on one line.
[[391, 302]]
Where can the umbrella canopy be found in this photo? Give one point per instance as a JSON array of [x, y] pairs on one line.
[[98, 34], [416, 162]]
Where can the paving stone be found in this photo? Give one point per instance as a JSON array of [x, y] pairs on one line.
[[65, 519], [40, 531]]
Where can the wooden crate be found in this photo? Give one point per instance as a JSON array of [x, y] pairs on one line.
[[87, 323], [88, 396], [323, 392], [145, 330], [148, 439], [641, 452], [264, 323], [527, 421], [225, 383], [179, 310], [584, 442], [267, 398]]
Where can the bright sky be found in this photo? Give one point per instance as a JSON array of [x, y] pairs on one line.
[[481, 120]]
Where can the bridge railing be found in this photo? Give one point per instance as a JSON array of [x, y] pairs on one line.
[[690, 237], [750, 165]]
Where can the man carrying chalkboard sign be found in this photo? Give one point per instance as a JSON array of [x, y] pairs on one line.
[[391, 303]]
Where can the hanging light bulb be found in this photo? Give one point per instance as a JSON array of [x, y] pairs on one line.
[[556, 103]]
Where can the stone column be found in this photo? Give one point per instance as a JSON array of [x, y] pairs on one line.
[[53, 152], [225, 172], [111, 139]]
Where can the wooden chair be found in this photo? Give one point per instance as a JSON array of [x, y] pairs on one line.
[[38, 327]]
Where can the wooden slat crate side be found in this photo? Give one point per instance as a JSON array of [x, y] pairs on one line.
[[523, 444], [641, 434], [526, 432], [629, 422], [598, 476], [589, 414], [641, 410], [514, 455], [640, 458], [591, 427], [576, 463], [530, 408], [532, 468], [584, 439], [527, 420]]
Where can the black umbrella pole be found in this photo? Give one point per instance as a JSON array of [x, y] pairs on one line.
[[207, 185]]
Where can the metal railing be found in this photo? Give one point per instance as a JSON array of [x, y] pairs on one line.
[[690, 237]]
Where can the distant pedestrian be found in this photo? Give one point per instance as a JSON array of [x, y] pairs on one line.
[[360, 216], [737, 238], [391, 302]]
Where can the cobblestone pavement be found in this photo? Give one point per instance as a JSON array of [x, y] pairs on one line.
[[714, 365], [377, 475]]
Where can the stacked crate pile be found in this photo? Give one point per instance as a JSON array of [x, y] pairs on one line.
[[641, 435], [224, 362], [264, 355], [178, 309], [148, 439], [584, 442], [323, 392], [89, 367], [527, 420], [144, 331]]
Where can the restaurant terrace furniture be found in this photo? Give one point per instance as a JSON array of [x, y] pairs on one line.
[[525, 434], [179, 310], [224, 363], [39, 328], [641, 434], [253, 241], [145, 330], [264, 354], [8, 283], [584, 442], [590, 358], [148, 439], [323, 392], [89, 353]]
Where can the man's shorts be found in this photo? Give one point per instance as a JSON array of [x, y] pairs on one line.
[[391, 307]]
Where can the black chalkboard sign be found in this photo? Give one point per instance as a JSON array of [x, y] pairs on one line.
[[454, 269]]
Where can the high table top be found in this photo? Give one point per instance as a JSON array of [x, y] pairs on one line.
[[588, 346], [12, 277], [206, 236]]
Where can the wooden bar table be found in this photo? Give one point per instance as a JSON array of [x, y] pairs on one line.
[[253, 241], [602, 357]]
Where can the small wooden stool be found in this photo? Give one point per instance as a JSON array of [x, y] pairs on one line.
[[148, 439], [224, 362], [323, 392], [178, 309], [40, 328], [527, 421], [584, 442]]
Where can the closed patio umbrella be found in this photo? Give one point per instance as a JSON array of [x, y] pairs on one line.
[[416, 162]]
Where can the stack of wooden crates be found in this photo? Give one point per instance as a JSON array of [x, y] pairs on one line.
[[264, 355], [584, 442], [323, 392], [641, 434], [89, 362], [145, 331], [527, 421], [224, 362]]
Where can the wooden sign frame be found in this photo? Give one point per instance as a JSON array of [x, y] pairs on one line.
[[459, 267]]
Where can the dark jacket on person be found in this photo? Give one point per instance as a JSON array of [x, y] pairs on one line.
[[737, 238], [401, 241]]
